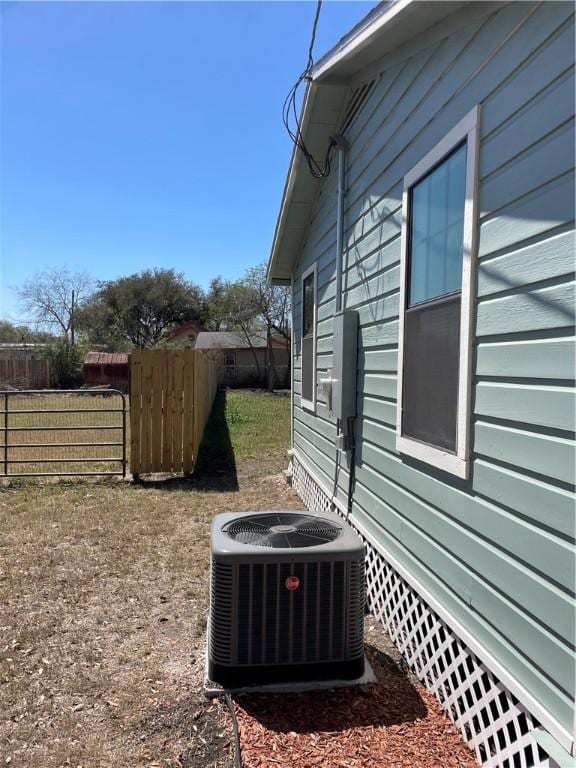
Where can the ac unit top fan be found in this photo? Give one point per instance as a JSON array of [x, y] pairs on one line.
[[283, 530], [286, 598], [276, 535]]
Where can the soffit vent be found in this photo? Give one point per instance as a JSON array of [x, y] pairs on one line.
[[355, 104]]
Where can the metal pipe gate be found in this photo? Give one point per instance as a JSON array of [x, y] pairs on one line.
[[51, 427]]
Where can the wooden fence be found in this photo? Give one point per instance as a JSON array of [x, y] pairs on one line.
[[171, 396], [21, 369]]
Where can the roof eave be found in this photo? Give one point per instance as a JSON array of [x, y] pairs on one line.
[[387, 27], [320, 115]]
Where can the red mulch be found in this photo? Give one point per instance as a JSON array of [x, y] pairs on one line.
[[393, 724]]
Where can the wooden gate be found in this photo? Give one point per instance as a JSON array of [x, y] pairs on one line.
[[171, 396]]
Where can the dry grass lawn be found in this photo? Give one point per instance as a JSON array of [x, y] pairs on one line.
[[103, 598], [48, 430], [103, 602]]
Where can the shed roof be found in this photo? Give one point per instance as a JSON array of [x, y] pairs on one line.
[[106, 358], [385, 28]]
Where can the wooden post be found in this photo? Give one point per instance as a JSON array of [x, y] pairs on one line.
[[168, 413], [178, 417], [135, 412], [157, 359], [189, 419]]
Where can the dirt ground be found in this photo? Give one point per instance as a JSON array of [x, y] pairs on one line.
[[103, 601], [103, 606], [103, 610]]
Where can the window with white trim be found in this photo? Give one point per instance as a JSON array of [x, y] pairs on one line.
[[436, 301], [308, 341]]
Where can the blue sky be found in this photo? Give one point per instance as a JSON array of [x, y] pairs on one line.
[[143, 134]]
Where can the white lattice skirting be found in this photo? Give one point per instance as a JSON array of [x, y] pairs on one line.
[[490, 718]]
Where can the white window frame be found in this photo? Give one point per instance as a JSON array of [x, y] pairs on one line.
[[457, 463], [309, 405]]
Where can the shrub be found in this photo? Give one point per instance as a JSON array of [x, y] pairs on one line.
[[66, 361]]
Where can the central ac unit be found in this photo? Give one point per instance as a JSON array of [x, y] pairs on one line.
[[286, 599]]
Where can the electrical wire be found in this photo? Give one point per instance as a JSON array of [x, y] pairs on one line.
[[351, 470], [318, 168], [237, 750]]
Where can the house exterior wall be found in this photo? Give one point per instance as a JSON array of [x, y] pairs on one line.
[[245, 373], [496, 550]]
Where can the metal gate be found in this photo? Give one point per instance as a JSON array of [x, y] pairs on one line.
[[51, 432]]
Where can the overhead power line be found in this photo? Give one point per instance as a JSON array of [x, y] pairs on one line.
[[318, 168]]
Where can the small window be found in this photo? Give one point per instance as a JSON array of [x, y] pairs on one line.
[[308, 351], [436, 302], [230, 363]]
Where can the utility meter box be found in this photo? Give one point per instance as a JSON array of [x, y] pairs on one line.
[[344, 366]]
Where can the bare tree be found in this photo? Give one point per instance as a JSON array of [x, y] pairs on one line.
[[239, 313], [255, 308], [52, 297], [273, 307]]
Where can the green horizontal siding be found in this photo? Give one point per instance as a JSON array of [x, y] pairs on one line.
[[497, 550], [543, 405], [543, 358], [543, 260]]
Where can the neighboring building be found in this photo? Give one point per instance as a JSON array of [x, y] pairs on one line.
[[242, 362], [24, 366], [456, 249], [184, 334], [107, 369]]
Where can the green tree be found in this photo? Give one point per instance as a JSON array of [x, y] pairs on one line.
[[138, 309], [21, 334], [216, 298], [252, 306], [66, 362]]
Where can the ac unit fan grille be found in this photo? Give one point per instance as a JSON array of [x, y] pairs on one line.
[[283, 531]]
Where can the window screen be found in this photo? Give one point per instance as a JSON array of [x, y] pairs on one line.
[[307, 358], [432, 315], [432, 345]]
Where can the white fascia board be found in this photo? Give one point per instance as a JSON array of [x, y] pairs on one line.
[[356, 42], [295, 162], [301, 187]]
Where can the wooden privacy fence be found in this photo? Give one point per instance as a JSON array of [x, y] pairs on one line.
[[22, 369], [171, 396]]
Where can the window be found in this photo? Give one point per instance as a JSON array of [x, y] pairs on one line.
[[308, 350], [436, 290], [229, 363]]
